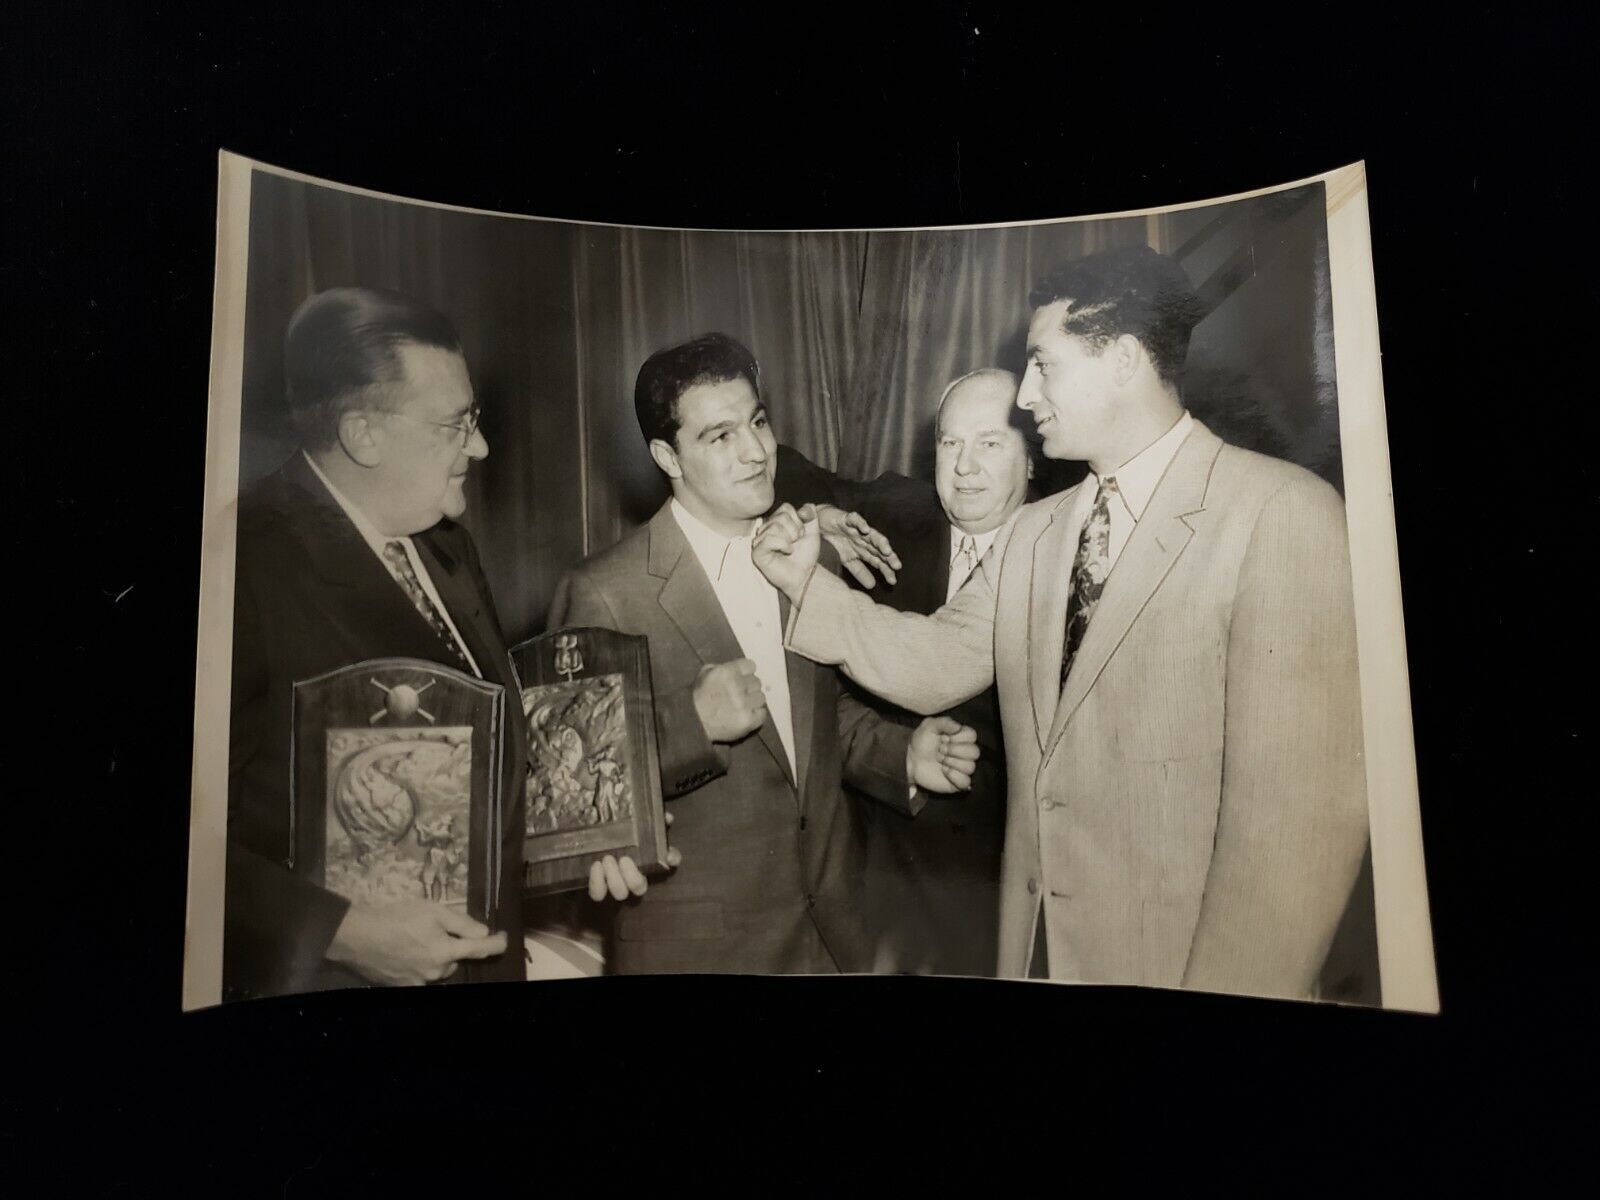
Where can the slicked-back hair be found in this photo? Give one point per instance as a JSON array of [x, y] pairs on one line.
[[1133, 290], [342, 347], [668, 374]]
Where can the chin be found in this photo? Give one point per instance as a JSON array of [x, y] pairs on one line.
[[1056, 448]]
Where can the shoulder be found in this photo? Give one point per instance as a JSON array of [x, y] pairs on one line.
[[622, 561], [275, 517], [1259, 482]]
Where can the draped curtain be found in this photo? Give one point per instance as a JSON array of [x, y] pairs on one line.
[[856, 333]]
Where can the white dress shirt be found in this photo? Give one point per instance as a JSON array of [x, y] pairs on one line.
[[377, 541], [750, 604], [1136, 482], [960, 570]]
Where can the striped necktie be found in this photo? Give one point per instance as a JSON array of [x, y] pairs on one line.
[[394, 553], [964, 562]]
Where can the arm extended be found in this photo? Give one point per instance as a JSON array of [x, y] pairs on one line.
[[926, 664]]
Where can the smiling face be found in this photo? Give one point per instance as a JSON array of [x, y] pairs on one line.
[[981, 464], [1070, 387], [422, 463], [724, 456]]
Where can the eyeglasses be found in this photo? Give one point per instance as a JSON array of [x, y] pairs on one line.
[[463, 429]]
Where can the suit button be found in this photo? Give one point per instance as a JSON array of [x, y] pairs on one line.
[[802, 824], [811, 901], [1033, 887], [1048, 803]]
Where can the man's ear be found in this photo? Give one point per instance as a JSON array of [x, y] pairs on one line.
[[666, 458], [1127, 353], [356, 440]]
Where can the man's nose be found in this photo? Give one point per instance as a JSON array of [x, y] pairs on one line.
[[477, 446], [751, 450], [1028, 393], [966, 462]]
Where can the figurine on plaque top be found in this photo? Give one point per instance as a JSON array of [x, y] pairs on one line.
[[593, 773], [396, 784]]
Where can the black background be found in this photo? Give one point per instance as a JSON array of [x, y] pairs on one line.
[[1470, 124]]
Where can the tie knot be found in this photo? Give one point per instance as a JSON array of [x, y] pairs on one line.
[[395, 552]]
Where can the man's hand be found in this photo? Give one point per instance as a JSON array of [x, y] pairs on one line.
[[411, 942], [728, 698], [942, 755], [858, 544], [620, 877], [786, 547]]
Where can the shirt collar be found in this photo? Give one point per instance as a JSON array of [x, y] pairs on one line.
[[1137, 478], [369, 532], [982, 540], [709, 546]]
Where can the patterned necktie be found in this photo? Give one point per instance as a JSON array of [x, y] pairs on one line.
[[965, 560], [394, 553], [1090, 567]]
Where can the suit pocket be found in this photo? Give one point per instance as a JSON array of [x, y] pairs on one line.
[[651, 920]]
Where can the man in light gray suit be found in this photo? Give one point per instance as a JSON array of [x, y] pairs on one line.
[[1174, 645]]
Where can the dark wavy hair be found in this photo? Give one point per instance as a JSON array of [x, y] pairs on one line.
[[1133, 290], [341, 345], [668, 374]]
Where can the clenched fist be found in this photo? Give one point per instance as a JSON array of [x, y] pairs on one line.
[[942, 755], [728, 698], [786, 547]]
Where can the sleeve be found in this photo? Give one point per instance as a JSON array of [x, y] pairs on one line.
[[1292, 821], [927, 664], [277, 927], [874, 753], [689, 759]]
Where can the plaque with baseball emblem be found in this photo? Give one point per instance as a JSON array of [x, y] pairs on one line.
[[593, 771], [396, 779]]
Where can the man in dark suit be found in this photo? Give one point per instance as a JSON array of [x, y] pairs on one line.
[[933, 880], [350, 551], [753, 741]]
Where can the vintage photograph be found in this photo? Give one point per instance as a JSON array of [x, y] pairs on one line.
[[1010, 601]]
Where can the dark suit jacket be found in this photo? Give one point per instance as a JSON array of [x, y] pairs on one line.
[[310, 597], [772, 869], [934, 880]]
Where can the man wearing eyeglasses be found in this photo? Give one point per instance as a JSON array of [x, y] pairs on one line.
[[348, 552]]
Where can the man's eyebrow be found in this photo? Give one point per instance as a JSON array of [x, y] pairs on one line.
[[713, 429]]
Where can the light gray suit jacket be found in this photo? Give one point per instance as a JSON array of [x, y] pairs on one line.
[[1190, 810]]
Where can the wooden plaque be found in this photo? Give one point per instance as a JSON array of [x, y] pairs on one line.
[[593, 772], [396, 784]]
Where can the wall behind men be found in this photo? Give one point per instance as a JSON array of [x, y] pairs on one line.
[[856, 333]]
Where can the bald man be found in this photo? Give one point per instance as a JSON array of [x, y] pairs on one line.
[[933, 880]]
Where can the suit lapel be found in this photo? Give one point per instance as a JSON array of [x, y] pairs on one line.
[[802, 704], [688, 599], [344, 561], [1047, 610], [1154, 546], [463, 600]]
